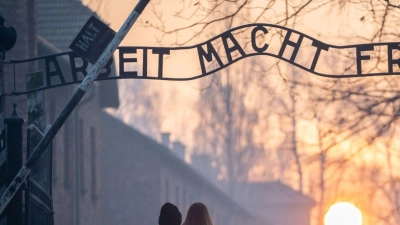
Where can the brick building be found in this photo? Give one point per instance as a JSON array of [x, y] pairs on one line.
[[139, 175], [47, 27]]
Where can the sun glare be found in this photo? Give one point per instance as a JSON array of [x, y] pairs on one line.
[[343, 213]]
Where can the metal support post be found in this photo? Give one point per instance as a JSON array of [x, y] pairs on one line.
[[14, 125]]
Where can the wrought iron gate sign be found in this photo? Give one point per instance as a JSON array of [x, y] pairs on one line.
[[92, 40], [227, 48]]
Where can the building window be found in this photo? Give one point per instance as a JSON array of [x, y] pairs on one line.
[[52, 112], [177, 196], [67, 154], [93, 157], [183, 200], [81, 150], [190, 199], [166, 190]]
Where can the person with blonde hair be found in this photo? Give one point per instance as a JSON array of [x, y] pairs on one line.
[[198, 215]]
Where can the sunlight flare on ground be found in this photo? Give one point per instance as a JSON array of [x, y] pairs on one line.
[[343, 213]]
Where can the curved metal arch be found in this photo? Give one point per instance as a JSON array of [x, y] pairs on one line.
[[222, 35]]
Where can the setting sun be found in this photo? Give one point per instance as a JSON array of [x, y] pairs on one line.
[[343, 213]]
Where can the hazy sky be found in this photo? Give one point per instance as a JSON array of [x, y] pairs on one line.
[[333, 25]]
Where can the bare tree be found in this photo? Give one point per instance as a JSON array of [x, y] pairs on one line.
[[229, 117], [351, 116], [140, 107]]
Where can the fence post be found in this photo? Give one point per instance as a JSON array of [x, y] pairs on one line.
[[14, 125]]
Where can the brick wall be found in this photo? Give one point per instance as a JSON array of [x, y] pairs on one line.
[[17, 15], [77, 142], [130, 177], [75, 155]]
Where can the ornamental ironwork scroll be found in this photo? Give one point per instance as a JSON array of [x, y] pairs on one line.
[[196, 61]]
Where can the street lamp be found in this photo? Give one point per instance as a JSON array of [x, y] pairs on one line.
[[8, 37]]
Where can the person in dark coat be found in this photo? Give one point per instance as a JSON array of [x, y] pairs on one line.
[[169, 215]]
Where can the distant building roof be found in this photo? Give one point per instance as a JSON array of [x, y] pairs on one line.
[[272, 194], [58, 23]]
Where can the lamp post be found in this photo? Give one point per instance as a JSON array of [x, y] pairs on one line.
[[8, 37]]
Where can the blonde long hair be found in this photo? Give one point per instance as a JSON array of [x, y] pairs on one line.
[[198, 215]]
